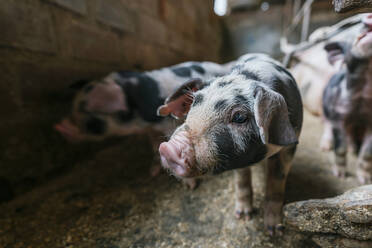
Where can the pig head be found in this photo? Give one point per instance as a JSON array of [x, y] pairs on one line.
[[99, 109]]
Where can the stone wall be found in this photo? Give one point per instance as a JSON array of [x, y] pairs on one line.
[[47, 44]]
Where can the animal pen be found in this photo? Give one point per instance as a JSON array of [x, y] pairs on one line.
[[108, 141]]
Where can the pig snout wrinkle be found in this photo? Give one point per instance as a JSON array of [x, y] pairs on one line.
[[171, 159]]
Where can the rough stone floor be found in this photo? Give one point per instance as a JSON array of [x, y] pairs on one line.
[[110, 201]]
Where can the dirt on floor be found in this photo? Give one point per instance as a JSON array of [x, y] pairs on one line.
[[111, 201]]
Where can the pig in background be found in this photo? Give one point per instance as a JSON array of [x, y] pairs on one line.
[[310, 66], [235, 121], [347, 103], [125, 103]]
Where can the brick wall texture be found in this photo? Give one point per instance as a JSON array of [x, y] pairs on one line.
[[47, 44]]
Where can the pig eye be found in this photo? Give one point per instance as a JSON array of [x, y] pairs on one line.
[[239, 117]]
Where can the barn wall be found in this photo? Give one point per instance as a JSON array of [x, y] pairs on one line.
[[47, 44], [259, 30]]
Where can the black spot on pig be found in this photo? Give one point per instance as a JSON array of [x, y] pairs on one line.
[[230, 158], [198, 69], [250, 75], [224, 83], [145, 97], [225, 144], [282, 70], [238, 67], [240, 99], [95, 126], [182, 71], [354, 63], [238, 91], [198, 99], [250, 58], [123, 116], [336, 80], [339, 142], [330, 96], [220, 105]]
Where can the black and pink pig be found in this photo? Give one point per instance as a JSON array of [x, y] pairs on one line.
[[235, 121], [347, 103], [125, 103]]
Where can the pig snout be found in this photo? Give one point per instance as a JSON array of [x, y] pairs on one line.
[[68, 130], [177, 155]]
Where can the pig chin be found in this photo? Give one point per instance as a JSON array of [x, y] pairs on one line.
[[178, 156]]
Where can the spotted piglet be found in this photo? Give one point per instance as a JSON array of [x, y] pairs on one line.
[[235, 121], [347, 102], [125, 103]]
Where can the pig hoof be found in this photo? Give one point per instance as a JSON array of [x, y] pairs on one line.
[[243, 212], [276, 230], [247, 215], [339, 171], [364, 178], [190, 183], [155, 170], [326, 145]]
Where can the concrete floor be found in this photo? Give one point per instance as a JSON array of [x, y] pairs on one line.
[[110, 201]]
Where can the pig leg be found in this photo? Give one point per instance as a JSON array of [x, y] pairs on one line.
[[243, 193], [364, 170], [278, 167], [326, 141], [340, 152]]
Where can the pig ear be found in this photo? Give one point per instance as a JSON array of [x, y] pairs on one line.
[[178, 104], [272, 118], [79, 84], [335, 51]]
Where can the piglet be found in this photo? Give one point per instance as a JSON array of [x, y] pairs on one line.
[[235, 121], [125, 103], [347, 102]]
